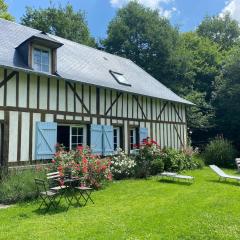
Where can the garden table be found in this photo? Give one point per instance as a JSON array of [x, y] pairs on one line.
[[76, 192], [85, 193], [69, 192]]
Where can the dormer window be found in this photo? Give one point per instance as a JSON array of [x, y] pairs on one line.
[[39, 52], [41, 59]]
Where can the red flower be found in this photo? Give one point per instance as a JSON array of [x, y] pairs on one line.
[[109, 177], [84, 160], [135, 145], [80, 148], [84, 169], [104, 167], [61, 181], [60, 168], [53, 161], [98, 162]]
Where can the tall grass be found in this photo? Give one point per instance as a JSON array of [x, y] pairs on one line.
[[18, 185]]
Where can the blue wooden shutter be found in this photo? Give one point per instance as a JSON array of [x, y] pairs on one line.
[[143, 134], [108, 147], [46, 139], [96, 139]]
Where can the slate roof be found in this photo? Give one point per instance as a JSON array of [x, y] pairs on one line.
[[80, 63], [43, 38]]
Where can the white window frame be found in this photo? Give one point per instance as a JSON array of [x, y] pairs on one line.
[[84, 134], [118, 137], [35, 47], [134, 138], [70, 133]]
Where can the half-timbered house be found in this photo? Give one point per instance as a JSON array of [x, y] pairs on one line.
[[55, 90]]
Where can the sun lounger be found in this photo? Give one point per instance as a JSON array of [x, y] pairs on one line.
[[237, 160], [175, 176], [222, 175]]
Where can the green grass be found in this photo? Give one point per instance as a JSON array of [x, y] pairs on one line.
[[137, 209]]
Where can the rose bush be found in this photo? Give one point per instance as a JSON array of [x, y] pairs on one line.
[[122, 165], [148, 150], [81, 163], [151, 159]]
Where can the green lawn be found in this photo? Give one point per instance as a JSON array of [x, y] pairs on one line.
[[137, 209]]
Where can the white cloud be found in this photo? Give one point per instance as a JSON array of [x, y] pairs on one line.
[[232, 7], [153, 4]]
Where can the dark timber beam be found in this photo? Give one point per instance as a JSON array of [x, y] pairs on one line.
[[179, 137], [116, 99], [140, 107], [160, 114], [78, 97], [176, 111], [7, 77]]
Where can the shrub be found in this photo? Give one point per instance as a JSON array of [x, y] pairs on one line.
[[18, 185], [157, 166], [178, 160], [220, 152], [122, 165], [148, 151], [81, 163]]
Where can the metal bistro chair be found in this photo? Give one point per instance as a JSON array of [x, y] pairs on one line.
[[54, 181], [48, 196]]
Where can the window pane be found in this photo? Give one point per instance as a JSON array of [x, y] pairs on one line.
[[45, 68], [74, 131], [37, 59], [45, 57], [80, 131], [41, 60], [74, 139], [131, 133], [37, 67], [80, 139]]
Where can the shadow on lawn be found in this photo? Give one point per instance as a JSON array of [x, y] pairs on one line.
[[225, 182], [175, 182], [51, 211]]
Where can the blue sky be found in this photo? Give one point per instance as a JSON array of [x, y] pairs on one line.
[[187, 14]]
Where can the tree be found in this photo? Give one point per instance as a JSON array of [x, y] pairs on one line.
[[203, 59], [227, 99], [199, 66], [60, 21], [4, 11], [220, 29], [140, 34]]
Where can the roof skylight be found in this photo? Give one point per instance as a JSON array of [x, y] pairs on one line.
[[120, 78]]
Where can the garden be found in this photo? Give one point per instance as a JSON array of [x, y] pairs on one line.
[[131, 201]]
